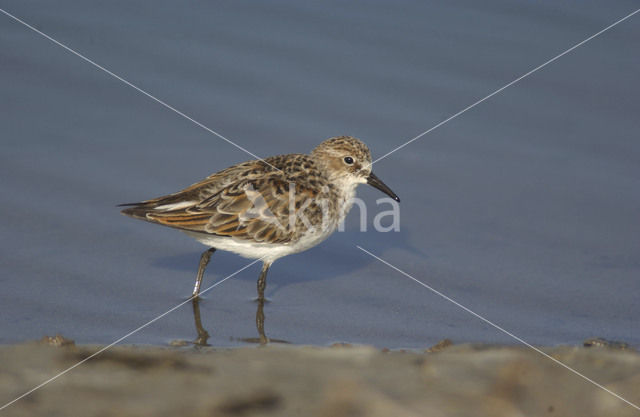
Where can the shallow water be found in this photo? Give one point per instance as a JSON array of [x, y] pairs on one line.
[[525, 209]]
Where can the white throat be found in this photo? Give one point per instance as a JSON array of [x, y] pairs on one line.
[[347, 192]]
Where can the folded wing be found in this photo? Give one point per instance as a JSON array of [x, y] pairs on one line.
[[247, 204]]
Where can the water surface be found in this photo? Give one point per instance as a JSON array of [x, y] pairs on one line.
[[525, 209]]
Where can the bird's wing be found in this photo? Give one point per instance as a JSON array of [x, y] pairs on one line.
[[254, 207]]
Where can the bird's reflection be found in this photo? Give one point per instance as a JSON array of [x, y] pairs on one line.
[[203, 335]]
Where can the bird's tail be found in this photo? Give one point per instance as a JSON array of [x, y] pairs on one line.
[[136, 210]]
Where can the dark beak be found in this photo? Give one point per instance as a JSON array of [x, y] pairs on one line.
[[377, 183]]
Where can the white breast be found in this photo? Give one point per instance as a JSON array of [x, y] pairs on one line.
[[269, 252]]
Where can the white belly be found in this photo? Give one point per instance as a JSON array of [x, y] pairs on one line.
[[269, 252]]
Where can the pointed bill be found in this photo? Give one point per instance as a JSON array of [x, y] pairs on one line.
[[377, 183]]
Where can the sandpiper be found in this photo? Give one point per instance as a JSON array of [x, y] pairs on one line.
[[268, 208]]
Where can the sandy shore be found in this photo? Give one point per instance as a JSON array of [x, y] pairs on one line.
[[281, 380]]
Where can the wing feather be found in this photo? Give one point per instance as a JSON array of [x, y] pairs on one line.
[[249, 201]]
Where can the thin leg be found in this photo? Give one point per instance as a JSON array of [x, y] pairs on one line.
[[204, 260], [260, 323], [262, 280], [203, 335]]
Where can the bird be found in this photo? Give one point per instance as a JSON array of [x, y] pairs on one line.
[[267, 208]]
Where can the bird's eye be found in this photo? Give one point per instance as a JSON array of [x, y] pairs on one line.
[[348, 160]]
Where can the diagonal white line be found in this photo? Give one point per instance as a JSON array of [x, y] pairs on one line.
[[499, 328], [53, 378], [79, 55], [507, 85]]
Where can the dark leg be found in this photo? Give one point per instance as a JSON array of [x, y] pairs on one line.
[[204, 260], [262, 280], [260, 322], [203, 335]]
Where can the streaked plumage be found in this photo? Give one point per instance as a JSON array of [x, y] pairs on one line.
[[268, 208]]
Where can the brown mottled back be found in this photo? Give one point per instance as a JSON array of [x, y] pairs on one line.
[[253, 200]]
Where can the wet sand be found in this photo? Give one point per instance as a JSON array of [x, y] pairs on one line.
[[342, 380]]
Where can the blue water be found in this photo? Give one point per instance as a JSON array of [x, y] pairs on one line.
[[525, 209]]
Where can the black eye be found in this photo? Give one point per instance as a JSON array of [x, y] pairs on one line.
[[348, 160]]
